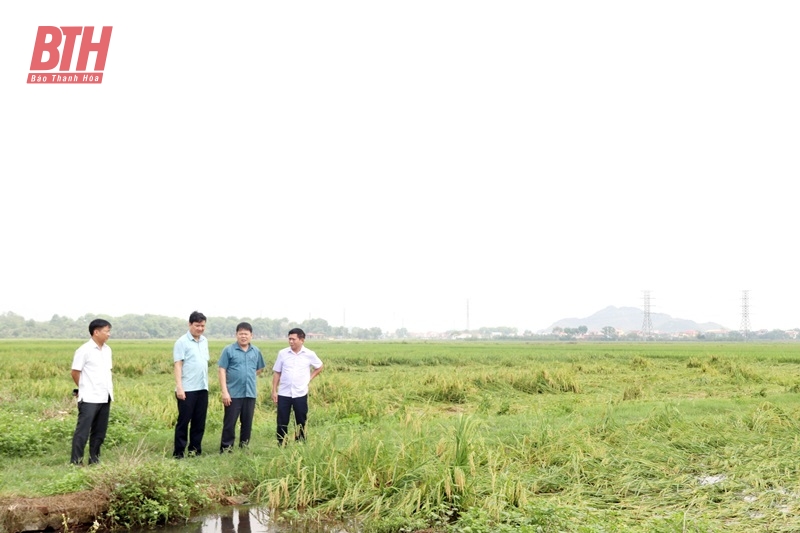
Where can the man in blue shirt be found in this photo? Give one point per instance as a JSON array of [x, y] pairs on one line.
[[239, 365], [190, 356]]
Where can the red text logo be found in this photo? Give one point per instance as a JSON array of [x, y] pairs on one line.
[[53, 55]]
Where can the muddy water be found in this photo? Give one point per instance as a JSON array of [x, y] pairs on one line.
[[250, 520]]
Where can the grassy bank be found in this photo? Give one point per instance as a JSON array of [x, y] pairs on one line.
[[458, 436]]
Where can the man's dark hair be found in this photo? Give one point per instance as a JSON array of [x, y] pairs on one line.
[[196, 316], [245, 326], [98, 323], [297, 331]]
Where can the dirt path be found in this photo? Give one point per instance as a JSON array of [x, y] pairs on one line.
[[51, 512]]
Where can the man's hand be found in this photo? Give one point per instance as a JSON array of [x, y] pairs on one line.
[[226, 399]]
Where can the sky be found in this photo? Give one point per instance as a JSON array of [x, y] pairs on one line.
[[419, 164]]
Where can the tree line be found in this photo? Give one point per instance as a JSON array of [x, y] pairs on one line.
[[14, 326]]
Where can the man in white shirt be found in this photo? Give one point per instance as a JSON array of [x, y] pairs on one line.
[[291, 375], [91, 372]]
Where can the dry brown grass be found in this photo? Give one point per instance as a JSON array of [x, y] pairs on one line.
[[52, 512]]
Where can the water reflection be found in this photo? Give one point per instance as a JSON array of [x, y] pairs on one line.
[[239, 521], [250, 520]]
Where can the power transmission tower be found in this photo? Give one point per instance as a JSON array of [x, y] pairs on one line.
[[647, 323], [745, 329]]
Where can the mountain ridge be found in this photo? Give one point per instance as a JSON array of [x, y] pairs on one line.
[[631, 319]]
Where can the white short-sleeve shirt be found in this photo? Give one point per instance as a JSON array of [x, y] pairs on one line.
[[295, 369], [94, 364]]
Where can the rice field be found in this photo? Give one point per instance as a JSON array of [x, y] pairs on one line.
[[467, 436]]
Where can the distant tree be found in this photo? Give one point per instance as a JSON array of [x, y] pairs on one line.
[[265, 328], [733, 336], [401, 333], [609, 332], [366, 333], [774, 335], [316, 325], [582, 330], [340, 332]]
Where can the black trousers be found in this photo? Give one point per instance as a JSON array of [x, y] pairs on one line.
[[300, 406], [92, 426], [240, 409], [191, 422]]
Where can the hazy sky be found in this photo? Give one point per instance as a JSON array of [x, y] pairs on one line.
[[381, 163]]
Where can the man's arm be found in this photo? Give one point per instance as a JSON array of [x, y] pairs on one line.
[[178, 371], [276, 379], [223, 384], [260, 364], [315, 373], [76, 377]]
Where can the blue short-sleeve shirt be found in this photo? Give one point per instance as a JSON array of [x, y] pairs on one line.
[[194, 354], [240, 369]]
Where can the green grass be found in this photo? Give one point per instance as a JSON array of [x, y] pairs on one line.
[[452, 436]]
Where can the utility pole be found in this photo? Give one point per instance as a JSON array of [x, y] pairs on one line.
[[647, 323], [745, 329]]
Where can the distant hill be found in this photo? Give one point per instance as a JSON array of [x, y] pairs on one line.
[[630, 319]]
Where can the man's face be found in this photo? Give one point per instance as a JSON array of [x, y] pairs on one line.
[[243, 337], [295, 342], [102, 335], [197, 328]]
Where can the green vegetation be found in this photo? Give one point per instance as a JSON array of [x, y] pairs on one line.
[[14, 326], [450, 436]]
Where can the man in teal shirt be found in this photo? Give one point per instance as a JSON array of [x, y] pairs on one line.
[[239, 365]]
